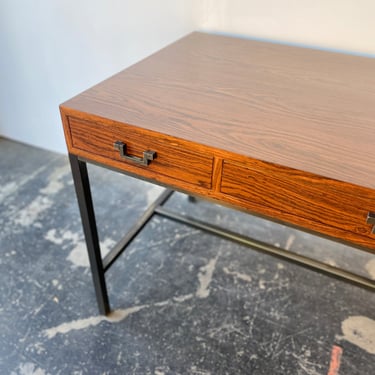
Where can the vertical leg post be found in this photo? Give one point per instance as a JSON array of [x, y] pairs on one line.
[[82, 187]]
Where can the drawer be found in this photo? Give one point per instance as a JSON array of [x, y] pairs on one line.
[[327, 206], [175, 160]]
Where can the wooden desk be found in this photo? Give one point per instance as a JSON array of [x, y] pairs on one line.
[[283, 132]]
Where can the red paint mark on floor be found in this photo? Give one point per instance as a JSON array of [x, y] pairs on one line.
[[334, 365]]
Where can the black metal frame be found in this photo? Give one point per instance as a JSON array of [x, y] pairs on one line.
[[99, 266]]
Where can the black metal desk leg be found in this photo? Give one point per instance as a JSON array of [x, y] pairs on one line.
[[82, 186]]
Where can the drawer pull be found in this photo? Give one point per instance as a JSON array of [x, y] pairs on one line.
[[147, 155], [371, 220]]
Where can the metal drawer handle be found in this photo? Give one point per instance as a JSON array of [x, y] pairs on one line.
[[147, 155], [371, 220]]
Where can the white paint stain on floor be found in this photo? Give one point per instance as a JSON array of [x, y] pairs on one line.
[[194, 370], [11, 187], [370, 268], [205, 277], [262, 284], [29, 214], [114, 317], [360, 331], [29, 368], [58, 238], [55, 184], [237, 275], [183, 298], [78, 255], [7, 189]]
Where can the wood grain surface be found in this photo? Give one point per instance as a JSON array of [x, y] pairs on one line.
[[301, 199], [174, 159], [302, 108], [280, 131]]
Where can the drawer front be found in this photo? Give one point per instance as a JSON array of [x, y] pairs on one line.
[[174, 159], [312, 202]]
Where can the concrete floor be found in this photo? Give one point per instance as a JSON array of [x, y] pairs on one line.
[[185, 302]]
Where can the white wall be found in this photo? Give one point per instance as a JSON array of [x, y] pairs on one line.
[[347, 25], [52, 50]]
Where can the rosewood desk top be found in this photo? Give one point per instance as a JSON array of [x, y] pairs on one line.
[[284, 132]]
